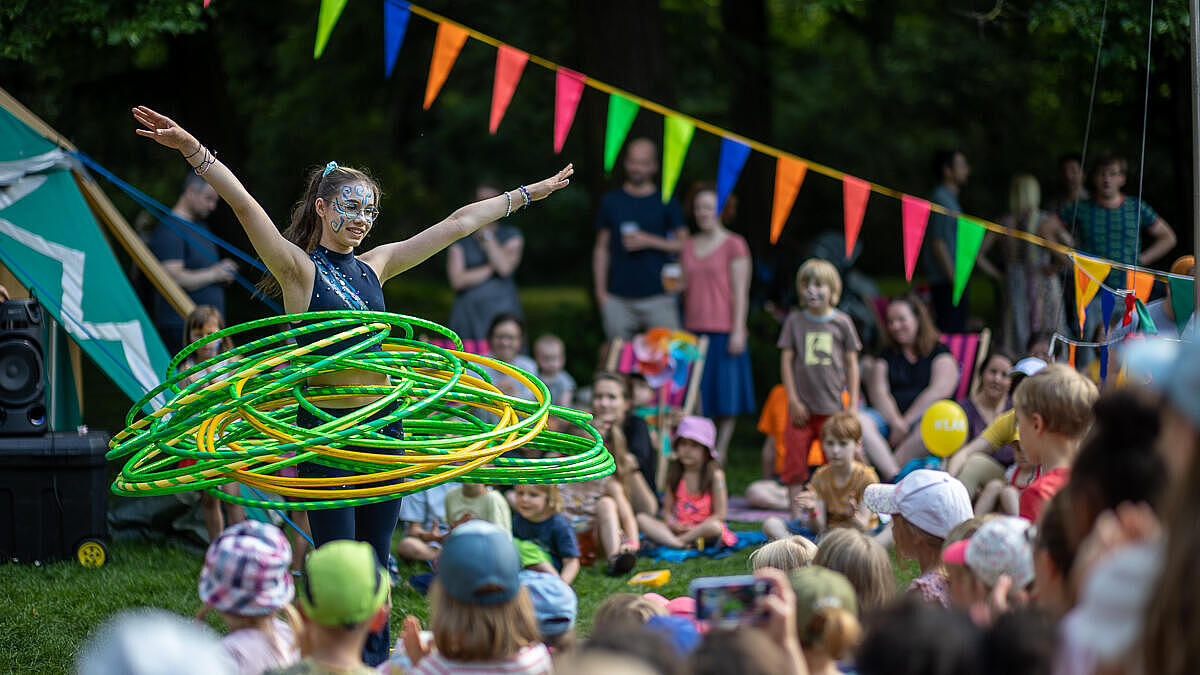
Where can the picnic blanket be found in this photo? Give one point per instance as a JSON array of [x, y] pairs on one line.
[[741, 510], [664, 554]]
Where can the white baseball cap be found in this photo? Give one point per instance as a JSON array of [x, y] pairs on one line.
[[1000, 546], [932, 500]]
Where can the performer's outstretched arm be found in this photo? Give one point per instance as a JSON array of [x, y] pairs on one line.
[[399, 256], [283, 258]]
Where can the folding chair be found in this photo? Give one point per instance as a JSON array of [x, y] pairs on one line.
[[671, 400], [969, 350]]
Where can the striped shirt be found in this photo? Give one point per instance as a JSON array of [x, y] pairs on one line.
[[532, 660]]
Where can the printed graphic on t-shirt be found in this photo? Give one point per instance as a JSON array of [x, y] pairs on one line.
[[818, 348]]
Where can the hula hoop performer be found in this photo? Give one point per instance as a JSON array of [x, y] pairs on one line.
[[313, 266]]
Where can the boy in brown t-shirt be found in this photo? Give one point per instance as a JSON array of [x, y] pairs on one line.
[[818, 365], [835, 494]]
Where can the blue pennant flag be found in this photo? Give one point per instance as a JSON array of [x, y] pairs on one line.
[[1103, 363], [729, 167], [395, 24], [1107, 300]]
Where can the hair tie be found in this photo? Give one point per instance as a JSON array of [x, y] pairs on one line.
[[329, 167]]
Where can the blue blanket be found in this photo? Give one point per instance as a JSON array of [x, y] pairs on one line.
[[662, 553]]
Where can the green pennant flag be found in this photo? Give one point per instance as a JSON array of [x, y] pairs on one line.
[[1183, 303], [621, 112], [326, 20], [969, 239], [677, 136], [1145, 323]]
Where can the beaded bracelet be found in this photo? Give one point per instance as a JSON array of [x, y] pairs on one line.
[[525, 195], [199, 147], [508, 210]]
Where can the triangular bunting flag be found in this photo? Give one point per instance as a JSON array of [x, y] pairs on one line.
[[855, 192], [914, 214], [1130, 301], [449, 41], [510, 62], [395, 25], [1103, 364], [968, 241], [789, 175], [1107, 300], [1071, 354], [1089, 273], [1145, 323], [1140, 283], [326, 20], [206, 3], [729, 167], [677, 136], [1183, 303], [621, 112], [568, 89]]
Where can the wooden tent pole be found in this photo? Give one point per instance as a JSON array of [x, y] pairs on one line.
[[108, 214]]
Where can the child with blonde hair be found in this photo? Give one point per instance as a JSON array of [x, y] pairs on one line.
[[863, 561], [818, 364], [539, 521], [696, 499], [784, 554], [1054, 412]]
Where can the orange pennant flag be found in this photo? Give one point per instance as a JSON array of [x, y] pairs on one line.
[[1089, 274], [789, 174], [1071, 354], [450, 39], [510, 63], [1140, 283]]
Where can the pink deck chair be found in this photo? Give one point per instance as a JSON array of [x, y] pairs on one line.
[[969, 350]]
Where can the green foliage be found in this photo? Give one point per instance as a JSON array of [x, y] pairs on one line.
[[30, 29]]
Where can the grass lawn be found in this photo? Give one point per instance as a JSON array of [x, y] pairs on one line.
[[47, 611]]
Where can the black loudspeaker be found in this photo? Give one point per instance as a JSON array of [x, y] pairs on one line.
[[22, 369]]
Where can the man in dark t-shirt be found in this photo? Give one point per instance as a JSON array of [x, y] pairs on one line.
[[190, 258], [636, 234]]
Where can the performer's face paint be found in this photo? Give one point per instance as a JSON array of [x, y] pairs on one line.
[[353, 208]]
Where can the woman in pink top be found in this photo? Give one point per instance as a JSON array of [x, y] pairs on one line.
[[716, 270]]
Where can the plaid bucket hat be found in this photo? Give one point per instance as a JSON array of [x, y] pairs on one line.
[[246, 570]]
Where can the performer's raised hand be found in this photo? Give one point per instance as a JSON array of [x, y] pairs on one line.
[[164, 130], [544, 188]]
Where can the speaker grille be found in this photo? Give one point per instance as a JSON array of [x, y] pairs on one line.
[[20, 372]]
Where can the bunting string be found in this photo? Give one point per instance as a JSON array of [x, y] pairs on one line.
[[683, 124]]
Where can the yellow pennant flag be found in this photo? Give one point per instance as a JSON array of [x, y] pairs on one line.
[[1089, 274]]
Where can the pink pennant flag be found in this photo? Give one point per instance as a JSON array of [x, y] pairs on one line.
[[510, 63], [568, 89], [915, 216], [206, 3], [854, 199]]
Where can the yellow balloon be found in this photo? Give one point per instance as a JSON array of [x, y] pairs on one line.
[[944, 428]]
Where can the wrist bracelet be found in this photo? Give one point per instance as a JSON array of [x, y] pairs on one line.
[[508, 211], [199, 146], [525, 195], [210, 158]]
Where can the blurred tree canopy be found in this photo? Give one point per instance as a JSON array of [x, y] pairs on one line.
[[871, 88]]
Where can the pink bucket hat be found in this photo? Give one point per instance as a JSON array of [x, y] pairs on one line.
[[699, 429]]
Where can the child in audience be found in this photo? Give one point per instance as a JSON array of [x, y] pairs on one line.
[[424, 517], [539, 520], [550, 354], [601, 514], [625, 610], [784, 554], [863, 561], [1054, 411], [818, 365], [696, 498], [471, 501], [826, 617], [1003, 496], [1001, 546], [344, 598], [834, 495], [555, 606], [246, 577], [613, 418], [202, 322], [925, 506], [1053, 557], [482, 618]]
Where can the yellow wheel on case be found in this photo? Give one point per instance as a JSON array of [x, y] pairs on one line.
[[91, 553]]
